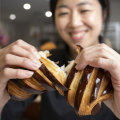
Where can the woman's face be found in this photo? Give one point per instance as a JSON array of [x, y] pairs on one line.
[[79, 22]]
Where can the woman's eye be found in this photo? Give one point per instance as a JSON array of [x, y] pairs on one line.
[[61, 14], [84, 11]]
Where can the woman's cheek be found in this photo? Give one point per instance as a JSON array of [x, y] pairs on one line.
[[95, 24], [62, 23]]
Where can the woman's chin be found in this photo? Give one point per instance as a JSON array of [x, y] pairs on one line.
[[79, 44]]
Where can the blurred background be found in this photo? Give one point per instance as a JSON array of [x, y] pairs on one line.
[[31, 21]]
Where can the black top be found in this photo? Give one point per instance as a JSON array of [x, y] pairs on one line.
[[53, 105]]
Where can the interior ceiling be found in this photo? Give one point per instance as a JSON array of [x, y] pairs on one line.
[[35, 14]]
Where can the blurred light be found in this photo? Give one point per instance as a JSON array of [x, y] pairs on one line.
[[12, 16], [48, 14], [26, 6]]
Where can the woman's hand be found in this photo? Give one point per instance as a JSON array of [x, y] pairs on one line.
[[19, 54], [102, 56]]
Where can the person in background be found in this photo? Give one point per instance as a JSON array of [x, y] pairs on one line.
[[79, 22]]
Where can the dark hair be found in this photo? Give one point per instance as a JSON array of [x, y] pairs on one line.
[[53, 4], [104, 4]]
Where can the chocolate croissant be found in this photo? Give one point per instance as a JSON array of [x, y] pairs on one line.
[[84, 90]]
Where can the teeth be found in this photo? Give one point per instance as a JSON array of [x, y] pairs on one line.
[[76, 35]]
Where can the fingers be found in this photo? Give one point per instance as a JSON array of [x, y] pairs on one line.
[[103, 50], [19, 51], [21, 48], [20, 54], [99, 58], [10, 73], [104, 63], [95, 55], [27, 47], [5, 75], [12, 60]]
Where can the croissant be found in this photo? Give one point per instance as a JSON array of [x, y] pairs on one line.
[[84, 90]]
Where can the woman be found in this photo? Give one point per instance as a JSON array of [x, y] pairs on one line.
[[79, 22]]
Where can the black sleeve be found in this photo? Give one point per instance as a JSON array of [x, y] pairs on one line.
[[14, 109]]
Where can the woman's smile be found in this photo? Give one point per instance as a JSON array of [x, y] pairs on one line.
[[77, 36]]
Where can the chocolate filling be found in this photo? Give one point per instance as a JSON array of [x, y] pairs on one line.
[[42, 81], [97, 85], [52, 78], [25, 87], [70, 79], [109, 87], [96, 109], [16, 96], [82, 85]]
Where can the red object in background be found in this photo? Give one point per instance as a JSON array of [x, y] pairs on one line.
[[4, 39], [1, 37]]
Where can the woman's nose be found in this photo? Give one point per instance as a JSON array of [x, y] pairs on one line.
[[76, 20]]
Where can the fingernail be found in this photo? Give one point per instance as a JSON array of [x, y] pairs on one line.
[[76, 67], [36, 64], [29, 73], [79, 67]]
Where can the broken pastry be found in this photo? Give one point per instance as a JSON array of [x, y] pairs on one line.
[[48, 77], [84, 90]]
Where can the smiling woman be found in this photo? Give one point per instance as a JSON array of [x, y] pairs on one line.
[[79, 23], [76, 22]]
